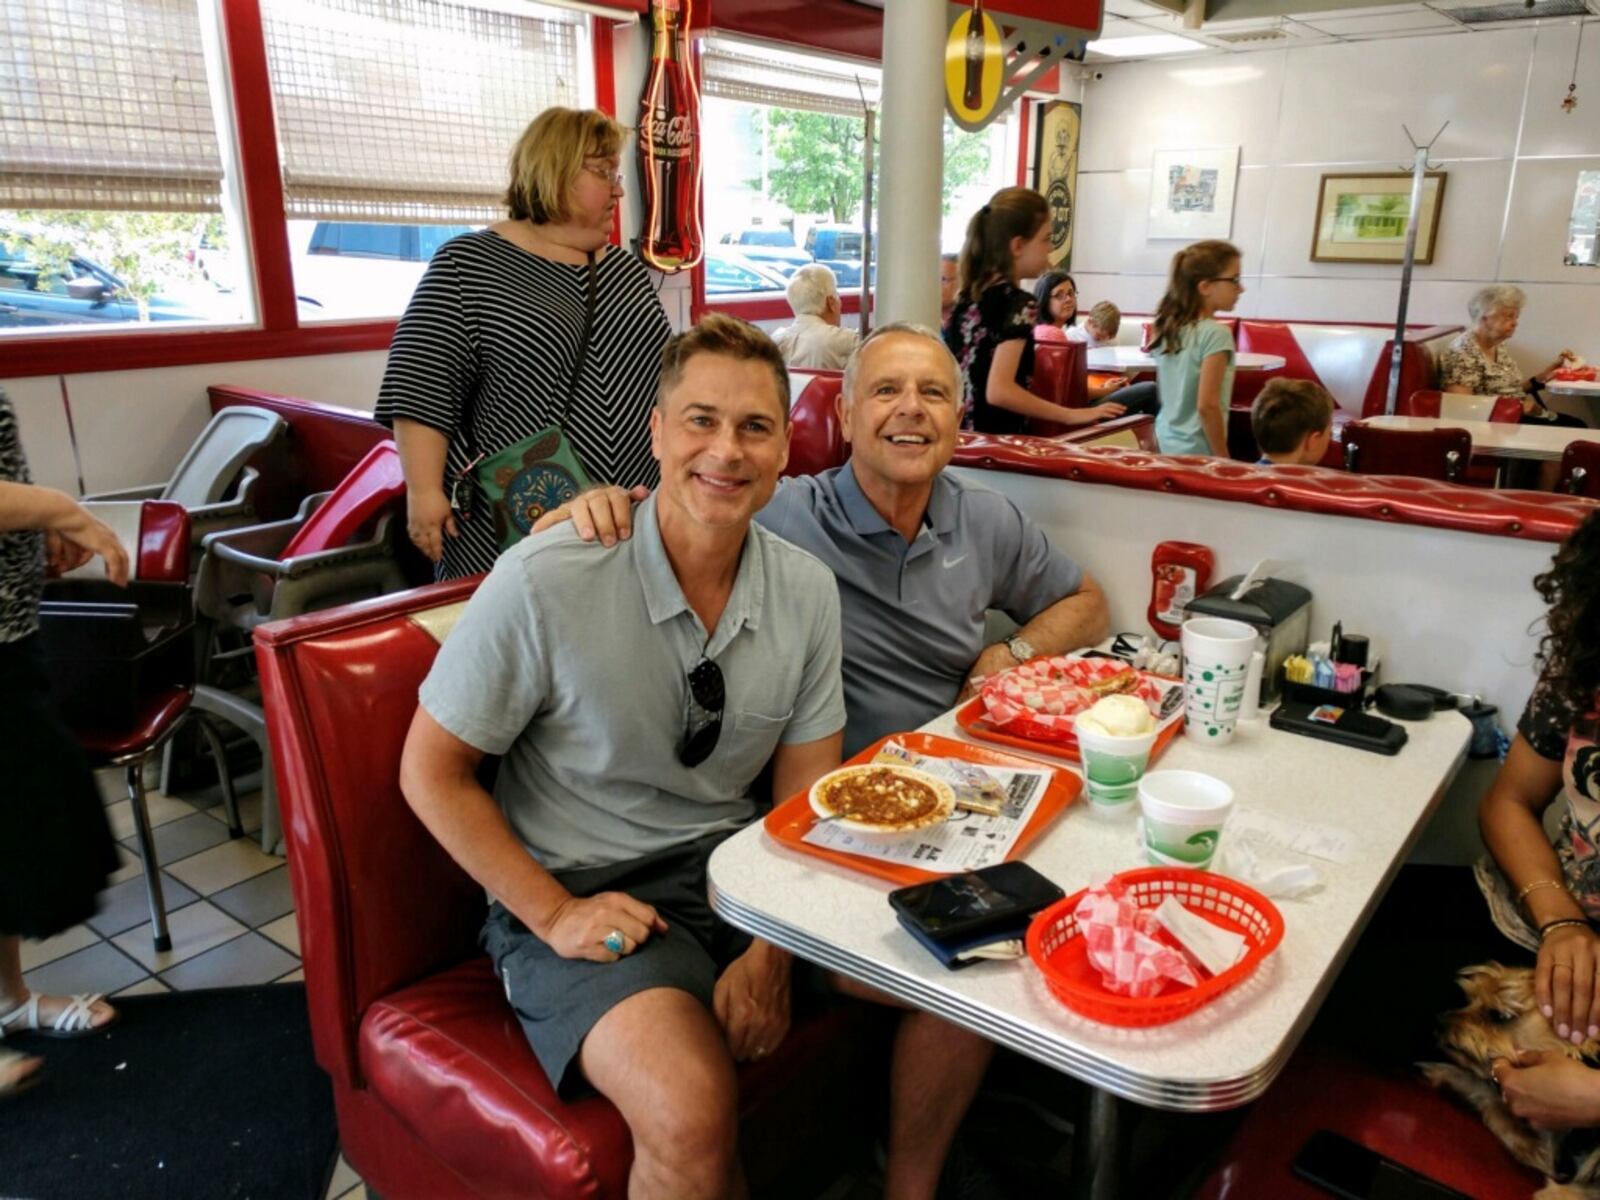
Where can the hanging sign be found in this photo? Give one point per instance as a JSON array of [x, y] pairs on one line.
[[992, 58], [669, 146], [1056, 173]]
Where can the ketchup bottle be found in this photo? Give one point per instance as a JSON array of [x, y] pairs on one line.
[[1179, 572]]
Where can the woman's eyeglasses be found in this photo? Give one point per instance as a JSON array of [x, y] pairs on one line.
[[1233, 279], [609, 174], [700, 738]]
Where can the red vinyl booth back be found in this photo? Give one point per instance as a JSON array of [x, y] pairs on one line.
[[818, 439], [437, 1090]]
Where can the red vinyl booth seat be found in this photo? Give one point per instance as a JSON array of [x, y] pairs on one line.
[[817, 442], [1580, 469], [437, 1091], [1400, 1118]]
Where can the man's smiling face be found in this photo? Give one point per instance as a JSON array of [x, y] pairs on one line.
[[901, 415]]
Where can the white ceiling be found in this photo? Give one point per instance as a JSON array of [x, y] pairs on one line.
[[1134, 18]]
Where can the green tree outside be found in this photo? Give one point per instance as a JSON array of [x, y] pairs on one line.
[[818, 162]]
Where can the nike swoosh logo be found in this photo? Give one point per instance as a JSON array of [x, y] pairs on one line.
[[950, 562]]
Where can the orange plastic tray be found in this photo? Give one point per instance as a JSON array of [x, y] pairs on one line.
[[789, 822], [970, 716]]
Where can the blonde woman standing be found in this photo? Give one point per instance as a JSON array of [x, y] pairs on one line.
[[488, 350]]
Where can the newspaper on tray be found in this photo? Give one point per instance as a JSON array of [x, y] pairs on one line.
[[968, 840]]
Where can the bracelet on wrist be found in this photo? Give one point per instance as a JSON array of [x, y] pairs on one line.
[[1545, 929], [1523, 895]]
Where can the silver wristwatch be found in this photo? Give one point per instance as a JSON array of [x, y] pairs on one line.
[[1020, 648]]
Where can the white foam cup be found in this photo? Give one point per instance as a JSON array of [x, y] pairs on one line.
[[1181, 817], [1216, 665], [1112, 767]]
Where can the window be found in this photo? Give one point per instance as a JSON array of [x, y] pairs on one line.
[[786, 137], [112, 173], [395, 122], [1583, 233]]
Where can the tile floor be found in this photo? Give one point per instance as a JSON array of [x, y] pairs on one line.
[[229, 911]]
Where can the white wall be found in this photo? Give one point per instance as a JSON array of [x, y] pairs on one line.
[[1297, 113], [133, 426]]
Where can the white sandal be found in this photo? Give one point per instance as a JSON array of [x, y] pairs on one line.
[[75, 1020]]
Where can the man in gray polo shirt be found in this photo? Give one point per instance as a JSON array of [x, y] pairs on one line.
[[919, 555], [634, 694]]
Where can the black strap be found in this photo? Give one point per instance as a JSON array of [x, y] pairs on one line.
[[589, 305]]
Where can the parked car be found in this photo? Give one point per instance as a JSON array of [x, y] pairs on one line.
[[33, 295], [838, 247], [772, 246], [730, 271], [362, 268]]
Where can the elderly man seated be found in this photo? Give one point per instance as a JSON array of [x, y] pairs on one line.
[[634, 695], [816, 338]]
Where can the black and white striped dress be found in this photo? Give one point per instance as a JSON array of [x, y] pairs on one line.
[[491, 336]]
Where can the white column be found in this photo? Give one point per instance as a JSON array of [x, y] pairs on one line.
[[913, 161]]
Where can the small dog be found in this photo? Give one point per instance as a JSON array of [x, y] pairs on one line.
[[1500, 1020]]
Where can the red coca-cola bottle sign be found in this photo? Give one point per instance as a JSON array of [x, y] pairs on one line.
[[669, 146]]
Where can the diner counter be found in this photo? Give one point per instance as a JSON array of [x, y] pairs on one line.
[[1222, 1056]]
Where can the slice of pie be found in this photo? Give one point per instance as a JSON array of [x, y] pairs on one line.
[[883, 798]]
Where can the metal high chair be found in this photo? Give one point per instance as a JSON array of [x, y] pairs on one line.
[[122, 664]]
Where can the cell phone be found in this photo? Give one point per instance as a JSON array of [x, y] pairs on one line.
[[959, 906], [1347, 726], [1350, 1170]]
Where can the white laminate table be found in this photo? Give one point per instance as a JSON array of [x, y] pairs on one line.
[[1218, 1058], [1131, 358], [1581, 388], [1543, 442]]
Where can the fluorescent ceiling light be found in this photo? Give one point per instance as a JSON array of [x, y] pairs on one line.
[[1144, 46]]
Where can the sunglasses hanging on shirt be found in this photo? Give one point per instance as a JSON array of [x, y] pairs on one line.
[[700, 737]]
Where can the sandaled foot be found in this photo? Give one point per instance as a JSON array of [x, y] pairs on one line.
[[18, 1073], [59, 1016]]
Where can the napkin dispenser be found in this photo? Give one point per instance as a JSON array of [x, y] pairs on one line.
[[1279, 610]]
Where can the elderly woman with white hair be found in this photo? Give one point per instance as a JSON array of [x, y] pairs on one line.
[[1478, 363], [815, 339]]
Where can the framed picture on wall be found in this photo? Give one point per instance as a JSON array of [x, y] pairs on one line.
[[1055, 173], [1362, 218], [1191, 193]]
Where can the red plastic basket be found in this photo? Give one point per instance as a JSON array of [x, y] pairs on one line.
[[1058, 951]]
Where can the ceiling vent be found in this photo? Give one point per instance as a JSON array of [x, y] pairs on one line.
[[1250, 37], [1490, 14]]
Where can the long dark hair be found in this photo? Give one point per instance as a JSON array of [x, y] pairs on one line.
[[1569, 652], [986, 256], [1180, 307], [1043, 286]]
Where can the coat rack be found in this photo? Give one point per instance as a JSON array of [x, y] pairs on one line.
[[1419, 171]]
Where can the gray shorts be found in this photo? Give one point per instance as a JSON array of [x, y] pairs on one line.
[[558, 1000]]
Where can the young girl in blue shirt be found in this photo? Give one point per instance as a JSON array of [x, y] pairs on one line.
[[1194, 351]]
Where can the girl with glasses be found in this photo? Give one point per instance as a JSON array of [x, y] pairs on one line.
[[1194, 351]]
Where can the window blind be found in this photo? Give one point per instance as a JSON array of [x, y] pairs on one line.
[[759, 75], [104, 105], [407, 110]]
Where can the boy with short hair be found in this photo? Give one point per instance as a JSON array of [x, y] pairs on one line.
[[1101, 324], [1292, 420]]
